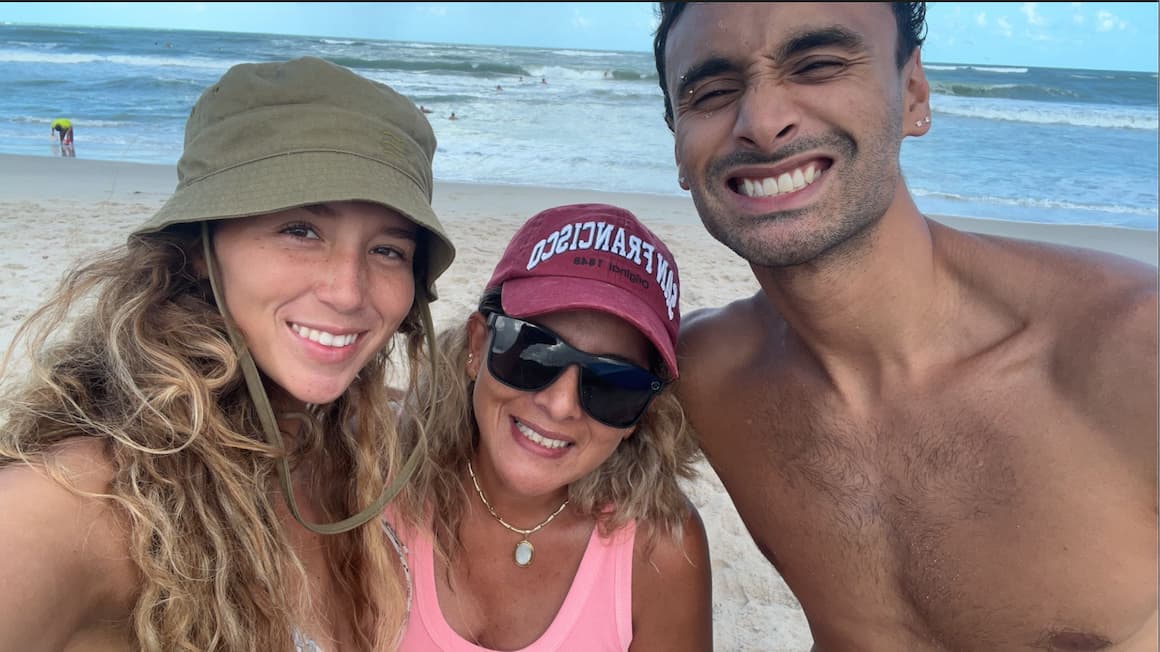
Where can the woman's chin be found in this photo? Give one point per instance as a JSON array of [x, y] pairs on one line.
[[315, 397], [308, 394]]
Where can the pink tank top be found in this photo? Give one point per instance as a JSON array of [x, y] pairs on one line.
[[596, 614]]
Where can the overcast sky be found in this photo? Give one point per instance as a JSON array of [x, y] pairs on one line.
[[1100, 35]]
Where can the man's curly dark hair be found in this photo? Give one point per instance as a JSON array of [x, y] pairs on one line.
[[909, 16]]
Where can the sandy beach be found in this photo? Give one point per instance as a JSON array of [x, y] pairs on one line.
[[55, 211]]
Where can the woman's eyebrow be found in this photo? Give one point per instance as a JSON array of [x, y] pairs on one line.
[[408, 233]]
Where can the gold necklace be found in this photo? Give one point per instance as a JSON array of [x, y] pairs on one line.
[[524, 549]]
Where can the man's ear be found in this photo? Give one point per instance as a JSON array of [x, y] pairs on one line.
[[916, 97]]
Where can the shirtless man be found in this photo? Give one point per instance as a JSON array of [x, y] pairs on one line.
[[941, 440]]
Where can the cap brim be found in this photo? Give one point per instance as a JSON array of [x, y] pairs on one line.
[[530, 297], [301, 178]]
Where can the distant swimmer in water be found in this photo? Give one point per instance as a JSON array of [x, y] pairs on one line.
[[65, 128], [452, 116], [424, 109]]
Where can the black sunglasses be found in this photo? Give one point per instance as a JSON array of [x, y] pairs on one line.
[[529, 358]]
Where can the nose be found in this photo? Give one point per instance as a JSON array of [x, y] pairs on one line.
[[766, 117], [344, 279], [561, 399]]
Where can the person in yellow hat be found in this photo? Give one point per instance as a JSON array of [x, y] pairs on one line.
[[200, 455], [63, 128]]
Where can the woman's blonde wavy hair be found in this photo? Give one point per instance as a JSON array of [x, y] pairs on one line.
[[638, 482], [132, 351]]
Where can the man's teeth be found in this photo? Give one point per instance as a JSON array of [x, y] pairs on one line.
[[324, 338], [538, 438], [773, 186]]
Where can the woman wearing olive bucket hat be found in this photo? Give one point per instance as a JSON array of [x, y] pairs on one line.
[[198, 458]]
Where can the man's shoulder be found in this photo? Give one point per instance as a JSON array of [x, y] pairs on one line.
[[1099, 313], [738, 313], [1096, 305], [718, 343], [1052, 280], [1105, 326], [1092, 293]]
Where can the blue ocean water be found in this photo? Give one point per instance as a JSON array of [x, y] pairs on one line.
[[1027, 144]]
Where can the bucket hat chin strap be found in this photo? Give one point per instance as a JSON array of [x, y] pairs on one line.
[[270, 424]]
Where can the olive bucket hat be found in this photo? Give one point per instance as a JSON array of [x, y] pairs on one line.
[[271, 136]]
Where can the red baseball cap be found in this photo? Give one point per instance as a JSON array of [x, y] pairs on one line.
[[593, 257]]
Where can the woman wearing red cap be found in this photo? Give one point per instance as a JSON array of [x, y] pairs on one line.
[[547, 515]]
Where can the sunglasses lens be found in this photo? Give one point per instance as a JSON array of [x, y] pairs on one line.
[[616, 394], [520, 355], [529, 358]]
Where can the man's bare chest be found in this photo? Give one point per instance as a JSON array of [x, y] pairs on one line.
[[954, 518]]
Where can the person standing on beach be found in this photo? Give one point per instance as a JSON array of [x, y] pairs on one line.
[[199, 456], [64, 128], [941, 440]]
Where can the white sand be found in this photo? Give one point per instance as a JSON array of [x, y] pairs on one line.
[[54, 211]]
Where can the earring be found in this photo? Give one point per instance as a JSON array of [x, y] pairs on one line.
[[681, 181], [470, 357], [926, 119]]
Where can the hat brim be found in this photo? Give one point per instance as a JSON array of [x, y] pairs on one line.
[[531, 297], [294, 179]]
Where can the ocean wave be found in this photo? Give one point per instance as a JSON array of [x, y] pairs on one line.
[[629, 75], [420, 98], [30, 84], [1027, 202], [1108, 117], [590, 74], [148, 84], [1004, 91], [935, 66], [633, 94], [485, 68], [584, 53], [10, 56], [492, 69], [1001, 70], [40, 119]]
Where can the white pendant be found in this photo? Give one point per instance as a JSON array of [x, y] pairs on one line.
[[523, 554]]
